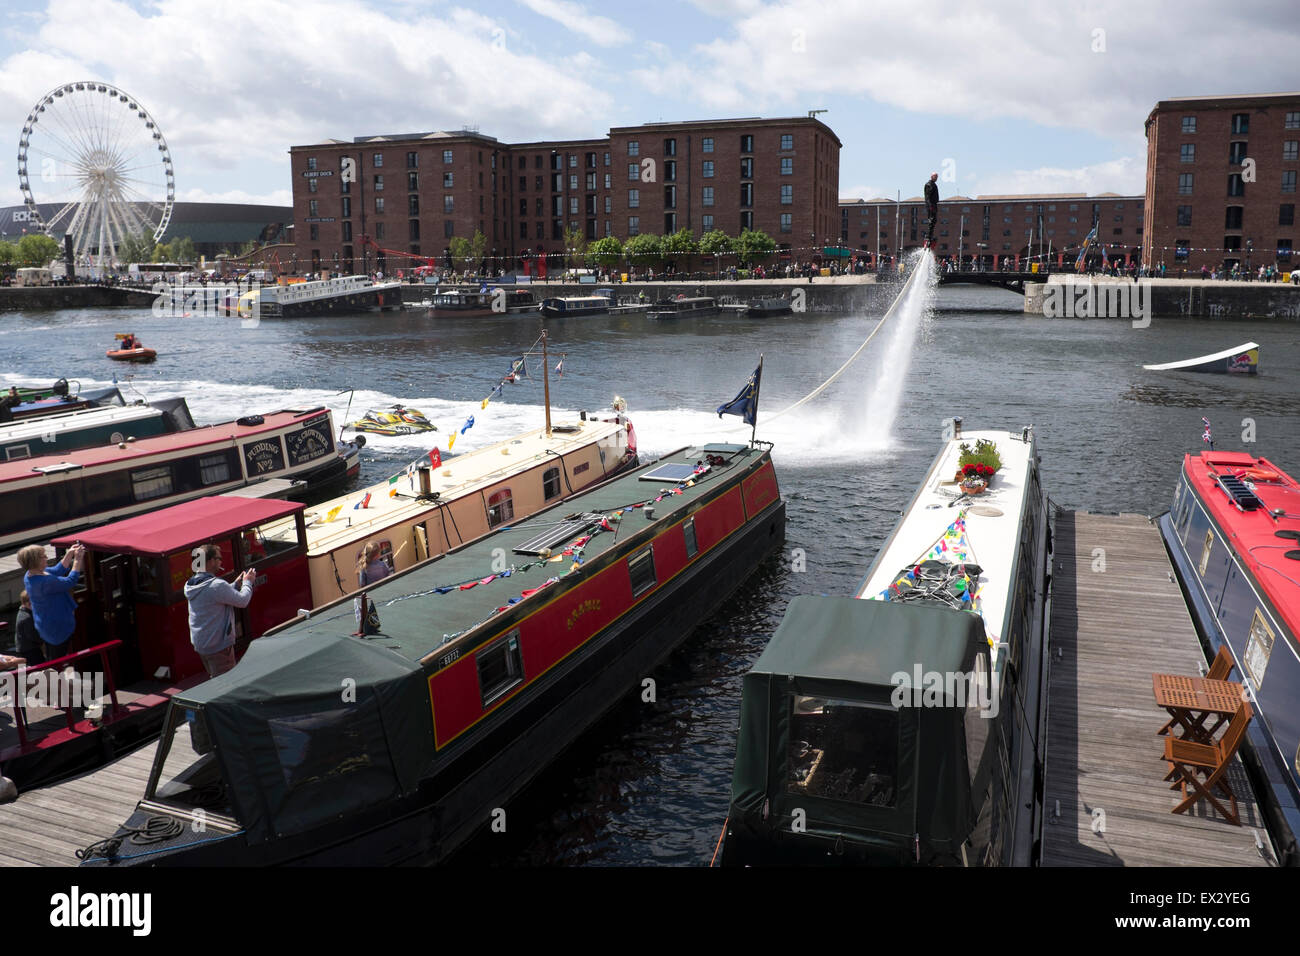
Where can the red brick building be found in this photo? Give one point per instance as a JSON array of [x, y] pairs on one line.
[[411, 193], [1221, 181], [996, 229]]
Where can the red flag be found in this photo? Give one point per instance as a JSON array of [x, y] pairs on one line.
[[435, 458]]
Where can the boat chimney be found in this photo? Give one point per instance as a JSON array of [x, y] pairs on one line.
[[956, 427], [426, 480]]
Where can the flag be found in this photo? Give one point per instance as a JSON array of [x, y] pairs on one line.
[[519, 369], [451, 441], [499, 390], [435, 456], [393, 479], [1206, 436], [745, 404], [559, 369], [1083, 253], [333, 513], [363, 503], [485, 401], [469, 423]]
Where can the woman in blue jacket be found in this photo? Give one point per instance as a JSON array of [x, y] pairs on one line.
[[54, 609]]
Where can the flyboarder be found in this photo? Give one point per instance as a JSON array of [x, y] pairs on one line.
[[932, 208]]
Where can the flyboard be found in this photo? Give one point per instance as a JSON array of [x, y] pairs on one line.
[[1243, 360]]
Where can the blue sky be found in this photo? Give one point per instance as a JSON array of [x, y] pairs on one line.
[[1015, 97]]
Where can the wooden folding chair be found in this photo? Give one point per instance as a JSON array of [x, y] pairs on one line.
[[1220, 668], [1200, 769]]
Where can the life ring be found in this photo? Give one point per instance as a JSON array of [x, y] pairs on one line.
[[1261, 474]]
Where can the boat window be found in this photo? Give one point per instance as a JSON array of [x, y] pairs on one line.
[[149, 483], [501, 508], [1259, 647], [500, 667], [1205, 551], [14, 452], [149, 577], [843, 750], [688, 532], [214, 469], [641, 568], [190, 776], [551, 483], [270, 539]]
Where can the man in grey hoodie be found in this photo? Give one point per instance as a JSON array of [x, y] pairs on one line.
[[212, 620]]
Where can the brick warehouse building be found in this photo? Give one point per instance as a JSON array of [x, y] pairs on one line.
[[994, 229], [1221, 181], [413, 192]]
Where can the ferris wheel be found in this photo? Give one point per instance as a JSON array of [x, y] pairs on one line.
[[95, 155]]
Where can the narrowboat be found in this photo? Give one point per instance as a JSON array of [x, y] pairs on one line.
[[342, 294], [1243, 360], [24, 404], [484, 301], [44, 496], [575, 305], [324, 748], [88, 427], [904, 725], [683, 307], [1233, 535], [762, 308], [132, 642]]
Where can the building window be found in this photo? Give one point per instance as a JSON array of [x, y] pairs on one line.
[[746, 194], [413, 230], [1286, 214], [446, 157], [523, 207], [670, 171], [412, 205], [708, 169], [501, 508], [1232, 217], [787, 141], [608, 181], [591, 180], [538, 183], [1184, 215], [448, 180], [1235, 185], [787, 195], [641, 569], [633, 225], [591, 160], [609, 205], [706, 223], [747, 143], [1291, 150], [706, 144], [573, 181], [1187, 153], [670, 223], [1240, 123], [412, 182], [379, 183], [1236, 153], [573, 160], [1288, 181], [670, 147], [500, 668], [787, 166], [633, 198], [787, 222], [634, 147], [747, 168], [412, 160], [313, 232], [311, 160], [1292, 121], [541, 207], [746, 221], [557, 182], [573, 205], [311, 208], [607, 159], [633, 172], [1184, 184], [345, 187], [379, 160], [670, 197], [346, 207], [1189, 124], [311, 185], [379, 204], [707, 198], [379, 230], [688, 533]]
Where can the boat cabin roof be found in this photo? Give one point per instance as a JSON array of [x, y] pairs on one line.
[[70, 421], [181, 526]]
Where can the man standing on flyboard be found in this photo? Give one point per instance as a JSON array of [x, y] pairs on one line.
[[932, 208]]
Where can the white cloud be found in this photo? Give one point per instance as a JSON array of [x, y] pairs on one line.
[[862, 192], [1126, 176], [574, 17], [278, 197]]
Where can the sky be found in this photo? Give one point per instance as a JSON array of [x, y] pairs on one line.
[[997, 97]]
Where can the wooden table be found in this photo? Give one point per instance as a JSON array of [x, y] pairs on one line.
[[1191, 701]]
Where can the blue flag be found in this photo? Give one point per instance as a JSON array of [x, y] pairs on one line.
[[745, 404], [469, 423]]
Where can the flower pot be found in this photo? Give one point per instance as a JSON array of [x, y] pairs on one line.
[[974, 486]]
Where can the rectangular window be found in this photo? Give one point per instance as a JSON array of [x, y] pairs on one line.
[[591, 160], [1286, 214], [707, 196], [746, 221], [1240, 123], [573, 205], [311, 160], [607, 159], [1187, 153], [1184, 215], [787, 222], [670, 147], [747, 168], [708, 169], [706, 144], [1189, 124], [551, 484], [641, 569], [523, 230], [1291, 150], [501, 508], [747, 144], [608, 181], [214, 469], [412, 182], [523, 184], [1236, 153], [706, 223], [446, 157], [670, 197], [412, 160], [557, 161], [379, 230], [1288, 181], [1232, 217], [538, 183], [633, 172], [379, 204], [843, 750], [1236, 187], [150, 483], [311, 208], [412, 205], [609, 205], [787, 141], [633, 198], [573, 181], [541, 207], [688, 532], [573, 160], [787, 166], [379, 183], [448, 204], [448, 180], [1292, 120], [313, 232], [633, 147], [633, 225], [557, 182], [591, 180], [311, 185], [449, 229], [1184, 184], [787, 195], [500, 668], [670, 171], [347, 232], [346, 207], [746, 194], [523, 207], [413, 230], [379, 160]]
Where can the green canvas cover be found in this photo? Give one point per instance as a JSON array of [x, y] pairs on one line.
[[848, 650], [313, 725]]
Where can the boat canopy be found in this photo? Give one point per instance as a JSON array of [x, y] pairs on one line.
[[312, 726], [820, 731]]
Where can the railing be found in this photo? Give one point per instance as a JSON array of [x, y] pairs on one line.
[[99, 650]]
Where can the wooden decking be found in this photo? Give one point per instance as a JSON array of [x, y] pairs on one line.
[[46, 827], [1112, 629]]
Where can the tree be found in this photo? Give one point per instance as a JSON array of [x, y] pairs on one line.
[[477, 248], [135, 248], [37, 250], [8, 253], [644, 249], [679, 245], [183, 250], [753, 244], [575, 246], [715, 243], [460, 252], [162, 253], [606, 252]]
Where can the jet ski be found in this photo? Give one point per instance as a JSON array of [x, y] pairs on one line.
[[394, 420]]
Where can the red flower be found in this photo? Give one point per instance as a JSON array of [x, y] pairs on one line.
[[969, 469]]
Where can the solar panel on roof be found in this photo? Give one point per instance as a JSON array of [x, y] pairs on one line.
[[672, 471], [571, 527]]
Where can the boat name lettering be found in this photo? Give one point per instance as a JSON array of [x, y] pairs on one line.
[[592, 604], [263, 457], [448, 658], [309, 442]]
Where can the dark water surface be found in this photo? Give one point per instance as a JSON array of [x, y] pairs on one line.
[[650, 784]]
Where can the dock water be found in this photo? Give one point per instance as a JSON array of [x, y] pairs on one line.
[[1117, 617]]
